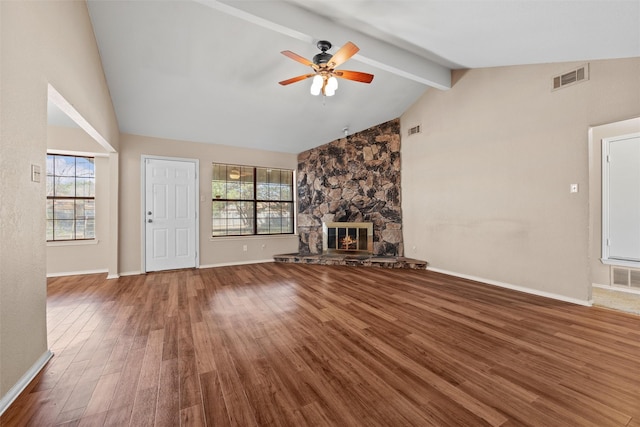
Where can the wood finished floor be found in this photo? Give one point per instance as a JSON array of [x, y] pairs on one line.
[[297, 345]]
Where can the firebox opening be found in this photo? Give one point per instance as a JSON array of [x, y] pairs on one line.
[[347, 237]]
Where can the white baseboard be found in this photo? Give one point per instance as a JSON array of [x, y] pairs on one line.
[[113, 276], [515, 287], [228, 264], [24, 381], [130, 273], [222, 264], [77, 273], [617, 288]]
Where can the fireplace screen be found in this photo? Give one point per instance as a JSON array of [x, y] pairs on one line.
[[347, 237]]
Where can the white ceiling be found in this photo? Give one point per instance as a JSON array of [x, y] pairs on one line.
[[208, 70]]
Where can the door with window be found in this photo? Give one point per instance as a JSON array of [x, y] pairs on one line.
[[170, 214]]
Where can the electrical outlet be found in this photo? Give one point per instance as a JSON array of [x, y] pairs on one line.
[[244, 248]]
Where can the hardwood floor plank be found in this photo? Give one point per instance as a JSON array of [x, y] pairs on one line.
[[302, 345], [215, 410], [168, 406]]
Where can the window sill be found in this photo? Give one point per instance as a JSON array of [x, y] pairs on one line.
[[254, 237], [620, 263], [73, 243]]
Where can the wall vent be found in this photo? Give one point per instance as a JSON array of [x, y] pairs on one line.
[[578, 75], [627, 277], [414, 130]]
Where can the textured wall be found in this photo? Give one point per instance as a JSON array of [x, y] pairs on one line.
[[486, 184], [353, 179]]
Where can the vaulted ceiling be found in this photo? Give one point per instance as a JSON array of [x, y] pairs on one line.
[[208, 70]]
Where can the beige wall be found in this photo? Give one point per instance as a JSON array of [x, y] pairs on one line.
[[41, 42], [213, 252], [599, 271], [64, 258], [486, 183]]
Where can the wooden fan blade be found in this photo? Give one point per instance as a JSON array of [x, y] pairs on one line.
[[296, 79], [299, 58], [354, 75], [345, 52]]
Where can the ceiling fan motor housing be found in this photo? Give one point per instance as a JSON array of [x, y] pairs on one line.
[[323, 57]]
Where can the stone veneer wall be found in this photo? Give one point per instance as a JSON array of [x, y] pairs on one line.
[[353, 179]]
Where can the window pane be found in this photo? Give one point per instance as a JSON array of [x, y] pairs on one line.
[[85, 187], [63, 229], [275, 219], [85, 209], [50, 190], [49, 209], [286, 192], [63, 209], [64, 166], [247, 216], [287, 217], [64, 186], [233, 189], [262, 182], [50, 162], [49, 230], [85, 167]]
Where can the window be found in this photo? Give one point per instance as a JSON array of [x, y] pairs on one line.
[[71, 203], [251, 201]]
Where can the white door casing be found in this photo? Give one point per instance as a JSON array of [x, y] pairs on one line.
[[621, 200], [170, 211]]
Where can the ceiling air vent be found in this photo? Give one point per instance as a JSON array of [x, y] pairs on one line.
[[578, 75], [414, 130]]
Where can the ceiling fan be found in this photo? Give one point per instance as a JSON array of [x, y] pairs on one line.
[[324, 66]]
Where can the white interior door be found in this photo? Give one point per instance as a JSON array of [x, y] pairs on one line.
[[621, 198], [170, 214]]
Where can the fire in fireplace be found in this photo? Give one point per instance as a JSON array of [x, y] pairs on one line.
[[347, 237]]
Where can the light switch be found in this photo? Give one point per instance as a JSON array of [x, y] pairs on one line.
[[573, 188], [35, 173]]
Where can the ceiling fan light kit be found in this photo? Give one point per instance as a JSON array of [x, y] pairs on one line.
[[324, 66]]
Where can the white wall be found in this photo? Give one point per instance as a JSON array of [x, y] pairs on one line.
[[213, 251], [42, 42], [486, 183]]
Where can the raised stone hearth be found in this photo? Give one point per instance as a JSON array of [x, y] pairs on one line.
[[353, 260]]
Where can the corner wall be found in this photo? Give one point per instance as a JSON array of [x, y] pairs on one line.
[[486, 184], [41, 42], [353, 179]]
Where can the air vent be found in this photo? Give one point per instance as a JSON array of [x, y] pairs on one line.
[[414, 130], [578, 75], [628, 277]]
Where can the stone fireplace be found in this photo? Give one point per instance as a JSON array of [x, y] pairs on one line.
[[350, 180], [347, 238]]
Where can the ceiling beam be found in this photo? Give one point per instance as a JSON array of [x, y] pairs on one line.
[[295, 22]]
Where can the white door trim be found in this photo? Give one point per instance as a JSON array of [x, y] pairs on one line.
[[143, 188], [606, 167]]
